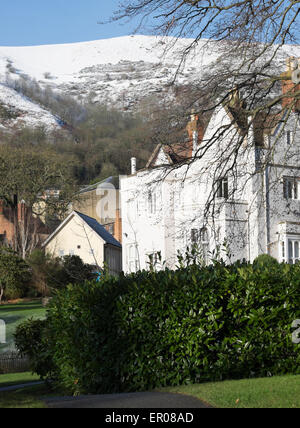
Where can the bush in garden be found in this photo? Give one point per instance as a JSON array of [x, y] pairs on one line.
[[51, 273], [265, 260], [15, 274], [75, 271], [152, 329], [31, 340], [42, 269]]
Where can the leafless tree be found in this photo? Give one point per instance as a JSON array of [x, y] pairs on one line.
[[246, 42], [34, 183], [252, 71], [247, 39]]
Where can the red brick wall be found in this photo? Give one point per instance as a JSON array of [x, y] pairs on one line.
[[6, 225]]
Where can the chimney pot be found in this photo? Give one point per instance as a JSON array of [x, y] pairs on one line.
[[133, 166], [292, 63]]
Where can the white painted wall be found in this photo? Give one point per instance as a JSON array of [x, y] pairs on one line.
[[77, 238], [255, 220]]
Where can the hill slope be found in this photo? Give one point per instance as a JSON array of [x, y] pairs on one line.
[[119, 72]]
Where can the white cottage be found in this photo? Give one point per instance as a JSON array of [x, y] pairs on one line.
[[245, 201], [83, 236]]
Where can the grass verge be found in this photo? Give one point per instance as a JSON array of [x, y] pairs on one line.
[[14, 314], [17, 379], [273, 392], [29, 398]]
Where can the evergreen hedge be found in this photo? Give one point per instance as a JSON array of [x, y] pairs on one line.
[[196, 324]]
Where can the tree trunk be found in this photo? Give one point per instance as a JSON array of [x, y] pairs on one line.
[[15, 220], [1, 294]]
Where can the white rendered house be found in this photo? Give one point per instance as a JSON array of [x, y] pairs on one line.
[[248, 199], [83, 236]]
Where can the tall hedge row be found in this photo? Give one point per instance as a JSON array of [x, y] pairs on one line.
[[196, 324]]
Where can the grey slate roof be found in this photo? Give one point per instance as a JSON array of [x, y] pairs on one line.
[[99, 229], [114, 180]]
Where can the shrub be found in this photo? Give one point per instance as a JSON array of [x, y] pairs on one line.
[[31, 341], [265, 260], [55, 273], [15, 274], [152, 329], [75, 271], [41, 272]]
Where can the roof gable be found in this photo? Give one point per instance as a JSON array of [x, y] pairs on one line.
[[99, 229], [92, 223]]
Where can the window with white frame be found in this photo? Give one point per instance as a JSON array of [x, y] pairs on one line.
[[222, 188], [290, 250], [151, 202], [293, 251], [194, 236], [291, 188], [132, 258], [200, 237]]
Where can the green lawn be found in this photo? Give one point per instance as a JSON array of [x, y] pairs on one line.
[[29, 398], [22, 398], [17, 379], [276, 392], [14, 314], [273, 392]]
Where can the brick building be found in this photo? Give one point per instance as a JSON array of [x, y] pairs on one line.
[[21, 220]]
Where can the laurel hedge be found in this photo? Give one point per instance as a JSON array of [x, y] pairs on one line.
[[153, 329]]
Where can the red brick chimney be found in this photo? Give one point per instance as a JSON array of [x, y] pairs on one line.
[[195, 132], [288, 86], [192, 126]]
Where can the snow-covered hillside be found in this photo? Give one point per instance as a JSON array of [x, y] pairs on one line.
[[120, 72], [18, 111]]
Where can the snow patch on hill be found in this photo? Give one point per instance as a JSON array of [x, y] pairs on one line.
[[65, 60], [120, 72], [19, 111]]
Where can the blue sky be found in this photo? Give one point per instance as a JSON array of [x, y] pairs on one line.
[[35, 22]]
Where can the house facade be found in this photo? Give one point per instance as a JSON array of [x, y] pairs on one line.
[[235, 195], [83, 236]]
